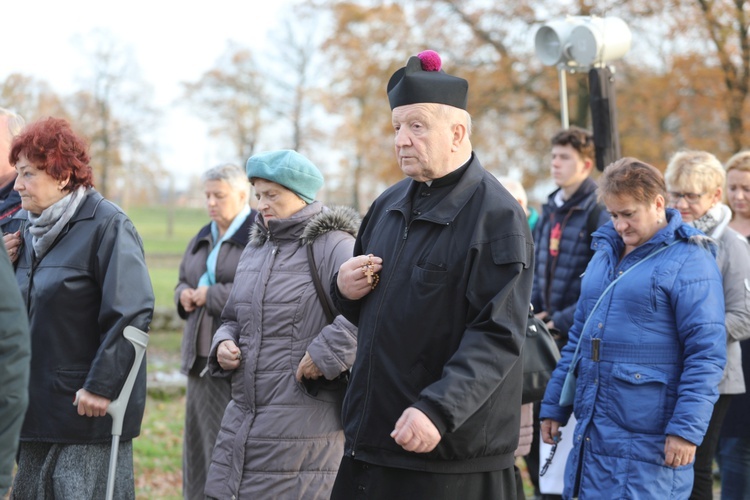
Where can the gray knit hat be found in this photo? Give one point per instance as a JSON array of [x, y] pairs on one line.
[[289, 169]]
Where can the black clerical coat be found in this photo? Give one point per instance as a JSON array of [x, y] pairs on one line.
[[443, 329]]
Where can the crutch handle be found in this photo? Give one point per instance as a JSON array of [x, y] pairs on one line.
[[116, 408]]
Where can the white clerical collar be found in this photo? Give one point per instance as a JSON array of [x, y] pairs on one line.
[[429, 183]]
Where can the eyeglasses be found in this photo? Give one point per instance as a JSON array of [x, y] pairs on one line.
[[691, 198]]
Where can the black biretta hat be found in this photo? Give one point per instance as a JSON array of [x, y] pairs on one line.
[[423, 80]]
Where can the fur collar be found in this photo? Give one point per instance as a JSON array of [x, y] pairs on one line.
[[706, 242], [336, 218]]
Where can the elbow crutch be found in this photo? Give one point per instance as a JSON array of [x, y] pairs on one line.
[[116, 408]]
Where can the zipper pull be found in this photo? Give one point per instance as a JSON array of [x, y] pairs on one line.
[[406, 231]]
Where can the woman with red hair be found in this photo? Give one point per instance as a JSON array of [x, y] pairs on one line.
[[83, 277]]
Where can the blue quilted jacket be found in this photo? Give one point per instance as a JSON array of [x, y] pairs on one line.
[[651, 359]]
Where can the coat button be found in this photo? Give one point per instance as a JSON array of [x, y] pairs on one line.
[[637, 376]]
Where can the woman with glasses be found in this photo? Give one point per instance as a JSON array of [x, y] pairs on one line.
[[695, 183]]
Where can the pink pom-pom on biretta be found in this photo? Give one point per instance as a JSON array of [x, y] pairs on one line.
[[430, 60]]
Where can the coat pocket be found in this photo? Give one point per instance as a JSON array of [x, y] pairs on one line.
[[430, 274], [69, 380], [637, 397]]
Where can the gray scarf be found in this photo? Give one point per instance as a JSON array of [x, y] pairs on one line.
[[709, 220], [47, 226]]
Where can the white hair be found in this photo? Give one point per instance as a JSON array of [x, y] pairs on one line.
[[231, 174], [516, 189], [15, 122], [455, 115]]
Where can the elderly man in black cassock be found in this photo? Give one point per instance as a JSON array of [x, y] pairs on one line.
[[439, 287]]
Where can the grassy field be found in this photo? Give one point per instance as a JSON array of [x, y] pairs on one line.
[[154, 227], [157, 452], [165, 243]]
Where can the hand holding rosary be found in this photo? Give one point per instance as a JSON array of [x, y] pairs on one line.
[[368, 270]]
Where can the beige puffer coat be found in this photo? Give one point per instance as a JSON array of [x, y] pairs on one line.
[[526, 435], [276, 439]]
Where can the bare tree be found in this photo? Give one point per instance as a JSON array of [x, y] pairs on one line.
[[360, 56], [293, 74], [113, 110], [683, 84], [231, 99], [726, 24], [31, 98]]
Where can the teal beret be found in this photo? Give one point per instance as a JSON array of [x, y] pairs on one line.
[[289, 169]]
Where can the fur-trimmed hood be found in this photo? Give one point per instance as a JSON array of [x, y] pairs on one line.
[[328, 219], [338, 218]]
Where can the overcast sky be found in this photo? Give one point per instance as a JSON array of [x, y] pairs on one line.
[[172, 41]]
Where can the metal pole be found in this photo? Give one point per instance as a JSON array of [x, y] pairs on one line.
[[563, 97], [112, 471]]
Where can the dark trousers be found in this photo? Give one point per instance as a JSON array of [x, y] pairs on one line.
[[357, 480], [734, 462], [703, 483], [532, 459]]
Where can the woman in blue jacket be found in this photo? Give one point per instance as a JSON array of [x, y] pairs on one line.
[[652, 351]]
